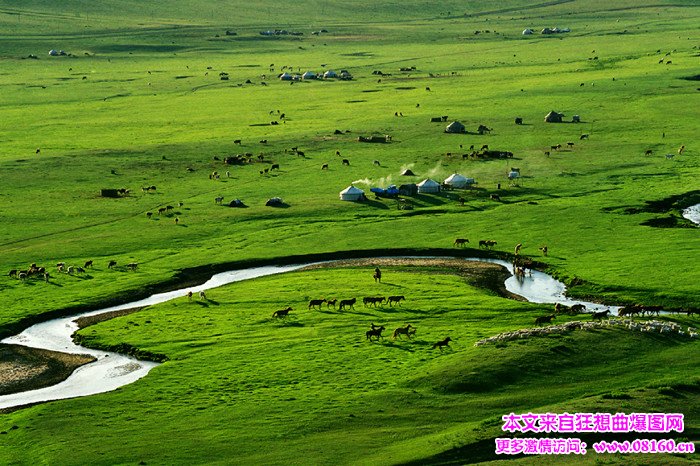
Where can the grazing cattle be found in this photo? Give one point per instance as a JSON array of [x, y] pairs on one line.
[[408, 330], [484, 147], [376, 163], [331, 302], [177, 220], [395, 299], [347, 303], [149, 214], [518, 121], [440, 344], [316, 302], [202, 296], [12, 273], [460, 242], [282, 312], [544, 250], [132, 266], [375, 332], [38, 151], [46, 277], [435, 119], [263, 141], [189, 295], [377, 275], [546, 153], [162, 210], [346, 162], [600, 315], [681, 149], [275, 166], [544, 319], [324, 166], [219, 200], [648, 152], [427, 88], [517, 248], [577, 309], [111, 264], [88, 264], [300, 153], [583, 136], [570, 144], [495, 197], [237, 141]]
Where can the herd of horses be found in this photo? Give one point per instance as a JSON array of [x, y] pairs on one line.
[[350, 303], [35, 271]]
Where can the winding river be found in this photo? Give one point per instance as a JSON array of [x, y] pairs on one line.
[[692, 213], [112, 370]]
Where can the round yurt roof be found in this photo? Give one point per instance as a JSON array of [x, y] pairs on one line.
[[285, 76], [428, 183], [308, 75], [527, 32], [458, 180], [330, 74], [352, 190]]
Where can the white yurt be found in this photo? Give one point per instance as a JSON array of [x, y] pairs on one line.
[[428, 186], [286, 76], [458, 181], [308, 75], [53, 52], [351, 193], [455, 127], [330, 74], [513, 175], [528, 32]]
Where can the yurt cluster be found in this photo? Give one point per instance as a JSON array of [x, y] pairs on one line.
[[311, 75], [427, 186]]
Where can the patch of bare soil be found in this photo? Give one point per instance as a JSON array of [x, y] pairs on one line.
[[479, 274], [23, 368]]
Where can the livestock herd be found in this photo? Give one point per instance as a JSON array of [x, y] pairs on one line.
[[40, 272]]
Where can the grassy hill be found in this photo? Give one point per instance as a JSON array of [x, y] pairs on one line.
[[138, 101]]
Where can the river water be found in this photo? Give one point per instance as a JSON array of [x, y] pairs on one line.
[[112, 370]]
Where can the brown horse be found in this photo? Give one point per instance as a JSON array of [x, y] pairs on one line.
[[374, 332], [282, 312], [396, 299], [544, 319], [408, 330], [441, 343], [460, 242]]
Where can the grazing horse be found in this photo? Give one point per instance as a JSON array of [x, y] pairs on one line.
[[578, 308], [558, 308], [346, 162], [202, 296], [544, 250], [347, 303], [189, 295], [460, 242], [648, 152], [374, 332], [441, 343], [282, 312], [495, 197], [517, 248], [544, 319], [219, 200], [396, 299], [377, 275], [111, 264], [316, 302], [600, 315], [324, 166], [132, 266], [408, 330], [331, 302], [681, 149], [88, 264]]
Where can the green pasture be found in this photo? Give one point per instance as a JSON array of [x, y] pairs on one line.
[[242, 387], [139, 102]]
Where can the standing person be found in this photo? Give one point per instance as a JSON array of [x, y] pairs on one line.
[[377, 275]]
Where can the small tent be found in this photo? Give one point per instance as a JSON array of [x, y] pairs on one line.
[[528, 32], [407, 172], [352, 193], [308, 75], [286, 76], [428, 186], [53, 53], [455, 127], [275, 202], [458, 181], [553, 117], [330, 74]]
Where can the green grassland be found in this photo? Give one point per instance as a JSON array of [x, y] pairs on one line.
[[242, 387], [139, 102]]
